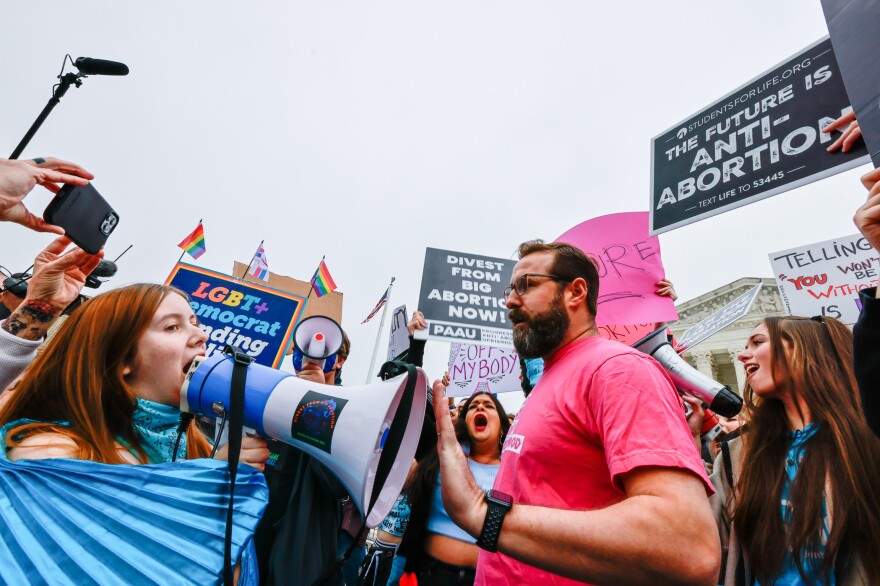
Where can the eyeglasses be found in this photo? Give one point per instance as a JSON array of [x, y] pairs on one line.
[[523, 283]]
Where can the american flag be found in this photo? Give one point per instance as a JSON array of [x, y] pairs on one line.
[[382, 302], [259, 265]]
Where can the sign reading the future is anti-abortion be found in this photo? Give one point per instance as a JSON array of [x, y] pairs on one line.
[[825, 278], [462, 297], [760, 140], [257, 319]]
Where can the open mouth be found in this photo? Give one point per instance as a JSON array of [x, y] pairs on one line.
[[187, 366], [480, 421], [750, 369]]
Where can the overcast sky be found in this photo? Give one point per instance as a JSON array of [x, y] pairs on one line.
[[367, 131]]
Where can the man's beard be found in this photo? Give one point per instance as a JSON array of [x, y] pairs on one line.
[[544, 331]]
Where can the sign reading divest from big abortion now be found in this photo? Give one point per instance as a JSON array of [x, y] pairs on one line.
[[761, 139], [462, 297], [256, 318], [825, 278]]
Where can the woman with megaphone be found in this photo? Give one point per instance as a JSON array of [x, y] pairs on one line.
[[106, 388], [796, 503], [438, 551]]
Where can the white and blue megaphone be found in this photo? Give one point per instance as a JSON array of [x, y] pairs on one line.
[[719, 398], [344, 428], [317, 338]]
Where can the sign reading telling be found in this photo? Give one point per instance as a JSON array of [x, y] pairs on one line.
[[482, 368], [761, 139], [256, 318], [398, 341], [462, 297], [629, 266], [719, 320], [825, 278]]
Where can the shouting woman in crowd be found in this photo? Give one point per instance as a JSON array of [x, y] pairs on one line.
[[803, 507], [436, 549], [106, 388]]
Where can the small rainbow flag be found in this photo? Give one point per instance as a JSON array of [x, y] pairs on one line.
[[322, 282], [194, 244]]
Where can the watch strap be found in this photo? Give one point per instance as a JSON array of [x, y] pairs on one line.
[[499, 504]]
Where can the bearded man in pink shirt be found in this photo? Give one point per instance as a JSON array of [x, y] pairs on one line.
[[600, 481]]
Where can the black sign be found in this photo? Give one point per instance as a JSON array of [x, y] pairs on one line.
[[462, 297], [761, 139], [853, 26]]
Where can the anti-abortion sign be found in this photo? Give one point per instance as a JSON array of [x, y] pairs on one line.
[[256, 318], [719, 320], [761, 139], [853, 27], [629, 268], [398, 341], [482, 368], [462, 297], [825, 278]]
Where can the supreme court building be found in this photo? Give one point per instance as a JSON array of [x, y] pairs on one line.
[[716, 356]]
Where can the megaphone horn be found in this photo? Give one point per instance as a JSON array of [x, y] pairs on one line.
[[318, 337], [344, 428], [720, 398]]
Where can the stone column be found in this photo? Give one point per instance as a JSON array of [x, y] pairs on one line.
[[705, 363], [740, 373]]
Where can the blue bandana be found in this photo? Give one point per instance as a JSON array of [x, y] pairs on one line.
[[157, 426]]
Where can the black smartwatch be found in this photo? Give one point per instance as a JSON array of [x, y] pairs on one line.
[[499, 504]]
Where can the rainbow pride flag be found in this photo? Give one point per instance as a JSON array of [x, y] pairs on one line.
[[194, 244], [322, 282]]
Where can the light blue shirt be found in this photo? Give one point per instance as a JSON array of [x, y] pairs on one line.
[[439, 521]]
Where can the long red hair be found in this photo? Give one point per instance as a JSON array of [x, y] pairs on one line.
[[78, 378]]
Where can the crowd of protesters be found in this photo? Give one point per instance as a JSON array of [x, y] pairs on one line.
[[598, 479]]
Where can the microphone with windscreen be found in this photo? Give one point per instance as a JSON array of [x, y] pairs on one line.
[[90, 66], [87, 66]]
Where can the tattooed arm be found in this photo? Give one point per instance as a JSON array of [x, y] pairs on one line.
[[58, 279]]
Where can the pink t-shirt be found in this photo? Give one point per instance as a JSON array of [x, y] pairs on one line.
[[600, 410]]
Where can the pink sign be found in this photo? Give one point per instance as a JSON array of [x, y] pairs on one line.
[[629, 268], [628, 335]]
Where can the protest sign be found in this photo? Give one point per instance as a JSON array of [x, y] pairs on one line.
[[853, 26], [398, 340], [719, 320], [462, 297], [482, 368], [628, 335], [825, 278], [256, 318], [761, 139], [629, 267]]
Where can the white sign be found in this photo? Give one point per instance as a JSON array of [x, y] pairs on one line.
[[482, 368], [398, 341], [719, 320], [825, 278]]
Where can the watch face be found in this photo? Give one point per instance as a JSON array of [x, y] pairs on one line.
[[501, 497]]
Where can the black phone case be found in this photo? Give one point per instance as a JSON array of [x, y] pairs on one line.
[[84, 214]]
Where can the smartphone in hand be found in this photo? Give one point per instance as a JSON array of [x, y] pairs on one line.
[[86, 217]]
